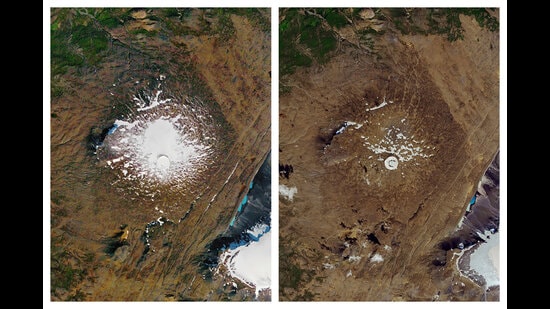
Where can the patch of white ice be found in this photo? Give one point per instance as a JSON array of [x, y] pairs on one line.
[[161, 145], [397, 144], [328, 266], [391, 163], [258, 230], [354, 258], [376, 258], [287, 192], [251, 264], [485, 260]]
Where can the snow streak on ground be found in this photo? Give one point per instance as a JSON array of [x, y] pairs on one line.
[[384, 103]]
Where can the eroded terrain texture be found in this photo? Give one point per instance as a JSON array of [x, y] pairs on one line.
[[388, 123]]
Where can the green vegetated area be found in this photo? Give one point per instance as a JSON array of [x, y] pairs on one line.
[[76, 40], [213, 21], [308, 36], [305, 37], [291, 275], [68, 269], [82, 36], [441, 21]]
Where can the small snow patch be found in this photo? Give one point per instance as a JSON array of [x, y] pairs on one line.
[[354, 258], [398, 145], [376, 258], [287, 192], [328, 266]]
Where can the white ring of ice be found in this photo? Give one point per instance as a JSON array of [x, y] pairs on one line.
[[391, 163]]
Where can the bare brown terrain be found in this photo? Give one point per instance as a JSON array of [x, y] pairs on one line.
[[354, 229]]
